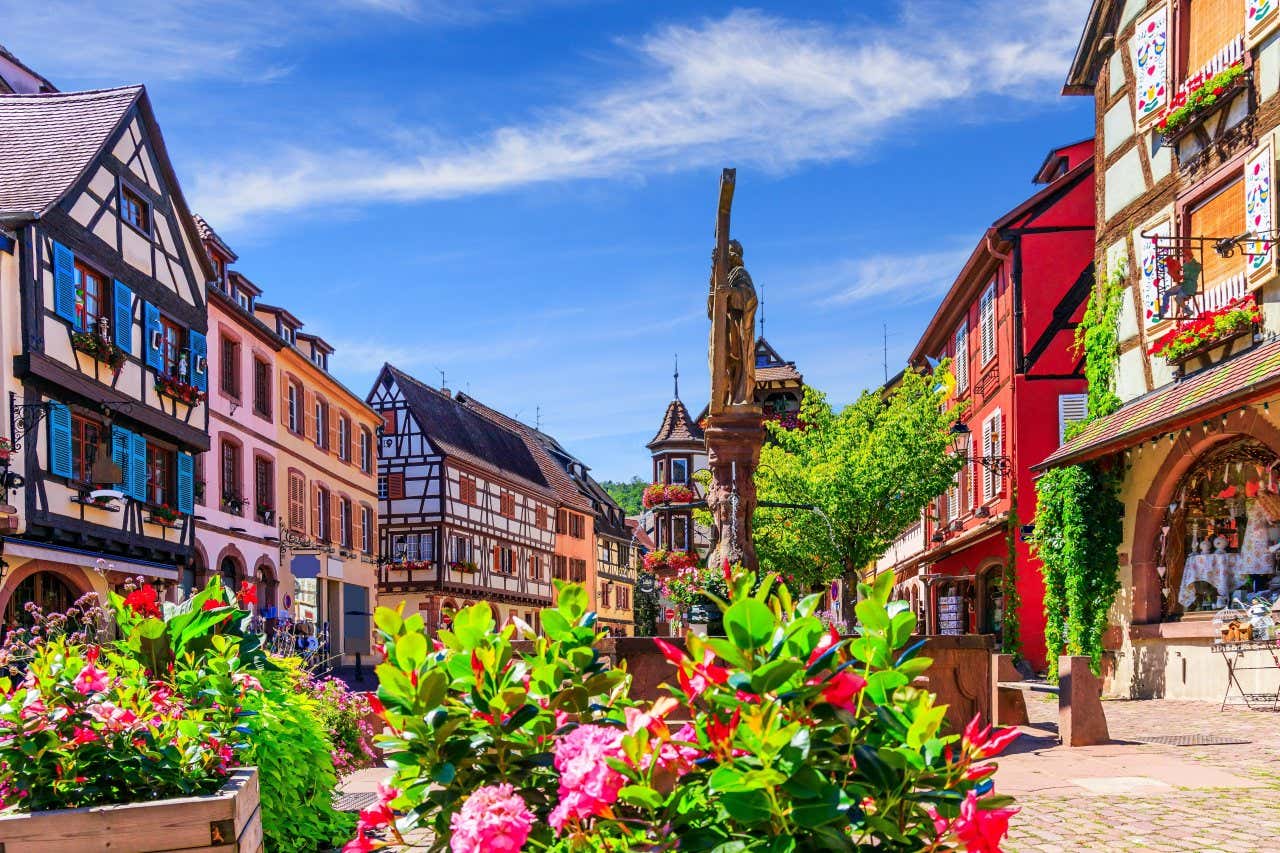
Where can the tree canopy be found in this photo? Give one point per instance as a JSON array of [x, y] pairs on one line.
[[628, 494], [871, 468]]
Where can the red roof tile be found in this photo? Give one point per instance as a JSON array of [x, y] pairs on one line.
[[677, 426], [1175, 405]]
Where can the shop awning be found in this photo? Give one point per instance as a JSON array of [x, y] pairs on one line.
[[1250, 376], [88, 559]]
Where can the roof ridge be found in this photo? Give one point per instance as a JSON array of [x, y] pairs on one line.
[[67, 96]]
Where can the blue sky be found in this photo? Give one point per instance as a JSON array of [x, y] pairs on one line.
[[522, 193]]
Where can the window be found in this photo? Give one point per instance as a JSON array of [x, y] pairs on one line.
[[366, 450], [264, 493], [461, 551], [575, 526], [198, 486], [662, 472], [992, 446], [134, 210], [680, 470], [622, 597], [1219, 215], [577, 570], [540, 517], [295, 408], [366, 529], [508, 504], [389, 422], [987, 323], [344, 523], [91, 296], [382, 487], [261, 388], [680, 533], [961, 366], [220, 271], [395, 485], [85, 435], [560, 567], [322, 514], [322, 424], [428, 548], [170, 345], [1071, 408], [232, 495], [504, 560], [404, 548], [245, 300], [1209, 26], [467, 490], [159, 475], [535, 567], [231, 367], [344, 438], [297, 502]]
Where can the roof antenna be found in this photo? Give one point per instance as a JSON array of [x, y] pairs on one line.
[[537, 418], [885, 332], [676, 375], [762, 310]]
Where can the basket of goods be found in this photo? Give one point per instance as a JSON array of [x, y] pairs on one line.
[[1231, 626]]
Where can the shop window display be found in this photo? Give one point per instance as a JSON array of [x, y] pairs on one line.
[[1221, 533]]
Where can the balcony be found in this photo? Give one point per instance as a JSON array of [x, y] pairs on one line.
[[909, 544]]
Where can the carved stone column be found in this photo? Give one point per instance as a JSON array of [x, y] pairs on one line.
[[733, 439]]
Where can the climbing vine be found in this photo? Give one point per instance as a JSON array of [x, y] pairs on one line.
[[1079, 515], [1011, 639]]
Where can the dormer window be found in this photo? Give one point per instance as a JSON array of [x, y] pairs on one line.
[[245, 300], [219, 271], [134, 210], [319, 358]]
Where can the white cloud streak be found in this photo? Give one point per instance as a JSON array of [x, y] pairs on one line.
[[892, 279], [748, 87]]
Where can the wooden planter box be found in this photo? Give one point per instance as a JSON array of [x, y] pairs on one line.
[[226, 822]]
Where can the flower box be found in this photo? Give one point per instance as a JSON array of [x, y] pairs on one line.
[[229, 820], [94, 346], [661, 493], [1198, 98], [165, 516], [661, 558], [183, 392], [1212, 329]]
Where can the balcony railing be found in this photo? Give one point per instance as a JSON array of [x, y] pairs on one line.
[[907, 545]]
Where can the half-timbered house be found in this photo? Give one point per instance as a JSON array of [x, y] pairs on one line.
[[103, 287], [467, 513]]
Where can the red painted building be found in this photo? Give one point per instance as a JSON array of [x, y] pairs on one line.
[[1008, 324]]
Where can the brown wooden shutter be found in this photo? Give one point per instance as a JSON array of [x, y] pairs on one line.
[[1220, 216], [497, 558], [308, 403], [389, 422], [335, 518], [284, 400], [335, 415], [395, 486], [1213, 23]]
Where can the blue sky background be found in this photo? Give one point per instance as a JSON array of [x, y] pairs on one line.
[[522, 193]]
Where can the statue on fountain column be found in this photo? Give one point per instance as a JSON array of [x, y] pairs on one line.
[[731, 307]]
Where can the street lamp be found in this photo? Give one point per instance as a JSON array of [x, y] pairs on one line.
[[962, 438]]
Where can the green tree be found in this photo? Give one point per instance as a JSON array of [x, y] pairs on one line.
[[870, 468], [628, 494]]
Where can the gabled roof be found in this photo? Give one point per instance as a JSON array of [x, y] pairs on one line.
[[678, 427], [208, 235], [1088, 59], [44, 81], [48, 142], [566, 490], [277, 311], [465, 434], [51, 140], [770, 367], [1249, 375]]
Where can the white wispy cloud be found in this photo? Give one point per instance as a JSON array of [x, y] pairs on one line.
[[748, 87], [897, 279]]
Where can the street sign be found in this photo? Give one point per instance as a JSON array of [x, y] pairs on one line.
[[671, 613], [646, 584]]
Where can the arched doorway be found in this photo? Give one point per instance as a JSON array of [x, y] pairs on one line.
[[991, 600], [231, 573], [268, 585], [48, 590]]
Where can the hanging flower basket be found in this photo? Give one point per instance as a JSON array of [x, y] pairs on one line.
[[183, 392], [94, 346], [661, 558], [660, 493], [1211, 329]]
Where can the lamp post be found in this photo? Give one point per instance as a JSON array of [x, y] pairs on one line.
[[962, 438]]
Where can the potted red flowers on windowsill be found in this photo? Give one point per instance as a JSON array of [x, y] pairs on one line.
[[164, 515], [1197, 97], [6, 449], [99, 348], [1212, 328], [178, 389], [465, 568], [663, 493]]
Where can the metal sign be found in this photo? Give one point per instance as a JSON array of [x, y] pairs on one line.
[[671, 613], [306, 566], [646, 584]]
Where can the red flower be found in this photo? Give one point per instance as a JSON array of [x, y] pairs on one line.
[[212, 604], [361, 844], [825, 642], [720, 733], [727, 570], [376, 704], [981, 830], [842, 689], [143, 601], [986, 743], [248, 594]]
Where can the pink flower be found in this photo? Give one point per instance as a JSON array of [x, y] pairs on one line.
[[985, 743], [115, 719], [91, 680], [246, 681], [379, 814], [588, 785], [842, 689], [981, 830], [494, 819], [81, 735], [361, 844]]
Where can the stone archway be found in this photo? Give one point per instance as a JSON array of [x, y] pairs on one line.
[[268, 583], [1150, 512], [52, 586]]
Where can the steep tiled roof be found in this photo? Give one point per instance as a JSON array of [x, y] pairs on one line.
[[209, 235], [561, 483], [48, 141], [637, 533], [464, 433], [780, 373], [677, 426], [1175, 405]]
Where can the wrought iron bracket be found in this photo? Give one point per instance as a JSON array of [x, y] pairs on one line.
[[1001, 465], [24, 418]]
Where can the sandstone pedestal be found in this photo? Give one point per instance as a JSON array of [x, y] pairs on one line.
[[1081, 721], [733, 438]]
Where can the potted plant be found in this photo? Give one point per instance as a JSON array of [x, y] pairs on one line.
[[233, 502], [179, 389], [1212, 328], [98, 347], [6, 449], [164, 515], [661, 493], [1198, 96]]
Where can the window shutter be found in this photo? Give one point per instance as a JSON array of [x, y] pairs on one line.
[[186, 483], [138, 466], [988, 479], [997, 448], [357, 527], [64, 284], [1260, 20], [316, 498], [497, 558], [962, 357], [1071, 408], [199, 357], [395, 486], [335, 518], [987, 323], [335, 418], [309, 415], [389, 422], [59, 439], [285, 385], [122, 305], [120, 456], [152, 344], [1151, 65], [1259, 210]]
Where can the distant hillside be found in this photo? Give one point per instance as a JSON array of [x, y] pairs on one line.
[[628, 495]]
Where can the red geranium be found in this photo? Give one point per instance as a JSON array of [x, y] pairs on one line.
[[248, 594], [143, 601]]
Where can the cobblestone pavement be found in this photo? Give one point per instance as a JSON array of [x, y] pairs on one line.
[[1136, 796]]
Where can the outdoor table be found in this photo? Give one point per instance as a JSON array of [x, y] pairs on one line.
[[1218, 569], [1233, 654]]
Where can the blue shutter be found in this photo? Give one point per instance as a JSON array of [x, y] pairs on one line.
[[64, 284], [152, 345], [198, 361], [122, 300], [186, 484], [59, 439], [138, 467], [120, 456]]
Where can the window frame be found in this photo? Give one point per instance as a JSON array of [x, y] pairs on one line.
[[366, 450], [130, 196], [297, 402], [987, 319], [172, 343], [262, 387], [82, 461], [229, 364], [344, 437], [324, 500], [231, 461], [366, 529], [157, 454], [84, 273], [264, 496], [346, 522]]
